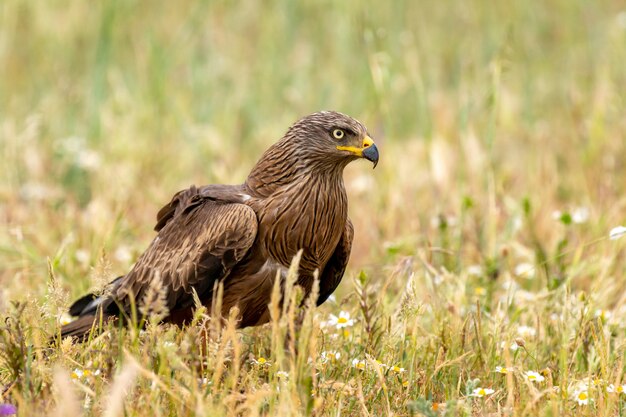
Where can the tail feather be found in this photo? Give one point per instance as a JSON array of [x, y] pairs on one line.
[[89, 309], [79, 305]]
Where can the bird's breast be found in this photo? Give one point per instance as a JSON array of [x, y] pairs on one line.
[[310, 218]]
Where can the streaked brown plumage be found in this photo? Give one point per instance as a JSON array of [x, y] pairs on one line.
[[243, 235]]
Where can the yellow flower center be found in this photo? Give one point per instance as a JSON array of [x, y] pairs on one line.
[[619, 388], [582, 396], [261, 361], [532, 377], [342, 320], [482, 392]]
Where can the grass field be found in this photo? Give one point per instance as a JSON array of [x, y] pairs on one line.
[[482, 247]]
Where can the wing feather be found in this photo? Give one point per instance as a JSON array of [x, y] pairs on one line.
[[197, 246], [336, 266]]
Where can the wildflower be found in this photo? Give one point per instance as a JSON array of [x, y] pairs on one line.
[[617, 232], [261, 361], [514, 346], [525, 270], [398, 370], [282, 375], [582, 397], [342, 321], [580, 215], [475, 270], [620, 389], [77, 374], [405, 384], [596, 382], [205, 382], [480, 291], [556, 317], [533, 376], [7, 410], [603, 315], [358, 364], [503, 370], [526, 331], [439, 406], [331, 356], [65, 319], [382, 365], [481, 392]]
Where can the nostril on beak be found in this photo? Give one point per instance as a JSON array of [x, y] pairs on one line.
[[366, 145]]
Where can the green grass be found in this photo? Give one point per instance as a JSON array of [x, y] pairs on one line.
[[490, 117]]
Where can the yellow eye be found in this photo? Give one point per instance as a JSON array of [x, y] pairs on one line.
[[338, 134]]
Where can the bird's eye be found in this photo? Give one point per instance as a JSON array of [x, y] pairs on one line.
[[338, 134]]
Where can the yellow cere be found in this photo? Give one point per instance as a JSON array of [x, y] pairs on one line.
[[367, 142]]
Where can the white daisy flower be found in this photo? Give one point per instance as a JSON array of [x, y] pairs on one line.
[[65, 319], [358, 364], [261, 361], [77, 374], [331, 356], [582, 397], [475, 270], [525, 270], [533, 376], [341, 321], [526, 331], [481, 392], [620, 389], [398, 369], [617, 232], [580, 215], [604, 315]]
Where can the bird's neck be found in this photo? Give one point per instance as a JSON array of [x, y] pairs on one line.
[[276, 170]]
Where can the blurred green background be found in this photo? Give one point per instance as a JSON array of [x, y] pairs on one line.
[[108, 107]]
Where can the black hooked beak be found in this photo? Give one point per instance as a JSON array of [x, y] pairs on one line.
[[371, 154]]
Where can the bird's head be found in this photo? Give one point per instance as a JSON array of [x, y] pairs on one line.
[[332, 137]]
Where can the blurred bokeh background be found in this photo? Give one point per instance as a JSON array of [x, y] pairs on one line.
[[496, 121]]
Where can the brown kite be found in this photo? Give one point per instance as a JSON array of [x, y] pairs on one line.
[[244, 236]]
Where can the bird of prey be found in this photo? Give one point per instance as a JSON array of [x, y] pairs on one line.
[[245, 236]]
